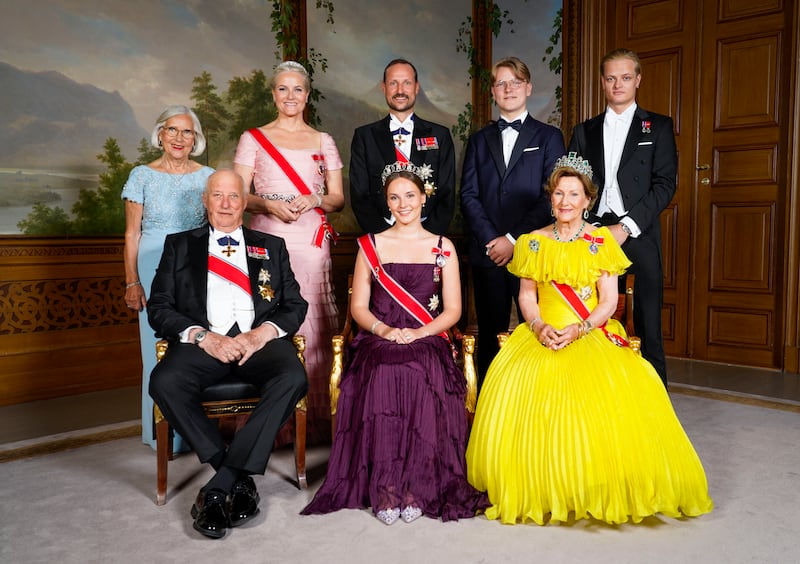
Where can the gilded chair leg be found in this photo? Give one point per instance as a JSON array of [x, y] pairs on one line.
[[163, 450], [300, 447]]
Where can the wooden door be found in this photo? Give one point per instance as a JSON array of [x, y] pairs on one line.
[[721, 69], [741, 159]]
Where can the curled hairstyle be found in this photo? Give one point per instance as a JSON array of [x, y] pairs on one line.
[[290, 66], [394, 62], [408, 175], [516, 66], [177, 110], [620, 53], [589, 188]]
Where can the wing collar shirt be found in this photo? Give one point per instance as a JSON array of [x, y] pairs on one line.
[[226, 302], [403, 140], [615, 132]]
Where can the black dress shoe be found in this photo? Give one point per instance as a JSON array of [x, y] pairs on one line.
[[210, 513], [244, 501]]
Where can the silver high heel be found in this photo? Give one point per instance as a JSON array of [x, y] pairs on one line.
[[388, 516], [411, 513]]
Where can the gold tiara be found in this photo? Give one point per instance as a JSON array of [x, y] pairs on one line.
[[424, 172], [573, 161]]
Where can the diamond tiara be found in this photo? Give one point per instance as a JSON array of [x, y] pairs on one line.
[[573, 161], [424, 171]]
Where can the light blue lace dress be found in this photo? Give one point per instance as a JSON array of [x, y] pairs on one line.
[[172, 203]]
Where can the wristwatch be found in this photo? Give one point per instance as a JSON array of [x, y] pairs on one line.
[[199, 336], [626, 229]]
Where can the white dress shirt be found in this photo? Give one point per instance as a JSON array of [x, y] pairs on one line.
[[402, 142], [615, 132], [509, 136]]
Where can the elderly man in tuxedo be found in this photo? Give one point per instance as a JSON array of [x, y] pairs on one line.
[[634, 159], [506, 166], [226, 299], [405, 137]]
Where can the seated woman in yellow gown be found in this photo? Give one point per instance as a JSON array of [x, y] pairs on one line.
[[570, 422]]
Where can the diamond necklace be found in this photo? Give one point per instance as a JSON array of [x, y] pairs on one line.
[[571, 239]]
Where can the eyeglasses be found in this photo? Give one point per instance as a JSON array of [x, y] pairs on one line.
[[174, 132], [512, 84]]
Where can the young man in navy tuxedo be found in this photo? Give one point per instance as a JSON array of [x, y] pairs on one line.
[[226, 299], [634, 159], [506, 165], [402, 136]]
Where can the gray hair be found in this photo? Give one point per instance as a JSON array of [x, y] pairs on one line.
[[178, 110], [290, 66]]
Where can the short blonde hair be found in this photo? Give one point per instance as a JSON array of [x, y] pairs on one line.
[[290, 66]]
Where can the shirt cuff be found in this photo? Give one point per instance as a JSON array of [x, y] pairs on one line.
[[635, 231], [281, 332], [511, 238], [184, 335]]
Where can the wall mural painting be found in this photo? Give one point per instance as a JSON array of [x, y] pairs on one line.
[[84, 82]]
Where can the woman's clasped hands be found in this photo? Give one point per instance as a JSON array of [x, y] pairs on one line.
[[401, 336], [555, 339]]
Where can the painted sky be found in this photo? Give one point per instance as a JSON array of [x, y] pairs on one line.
[[425, 33], [149, 50]]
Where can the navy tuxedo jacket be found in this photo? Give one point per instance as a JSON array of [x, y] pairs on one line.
[[496, 199], [373, 148], [647, 167], [180, 287]]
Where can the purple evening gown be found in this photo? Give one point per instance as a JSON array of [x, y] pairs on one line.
[[401, 425]]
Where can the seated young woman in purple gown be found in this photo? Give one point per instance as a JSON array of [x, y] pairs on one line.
[[401, 425]]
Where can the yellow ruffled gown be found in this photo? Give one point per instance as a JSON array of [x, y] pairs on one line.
[[585, 431]]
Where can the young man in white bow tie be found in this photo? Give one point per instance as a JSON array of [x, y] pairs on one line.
[[405, 137], [635, 162], [506, 165], [226, 299]]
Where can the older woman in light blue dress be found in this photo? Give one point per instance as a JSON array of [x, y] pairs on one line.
[[162, 197]]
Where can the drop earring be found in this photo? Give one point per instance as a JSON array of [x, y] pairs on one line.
[[586, 213]]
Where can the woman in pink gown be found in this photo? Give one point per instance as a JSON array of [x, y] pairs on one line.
[[279, 207]]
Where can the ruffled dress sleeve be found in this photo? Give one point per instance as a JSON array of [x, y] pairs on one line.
[[575, 263]]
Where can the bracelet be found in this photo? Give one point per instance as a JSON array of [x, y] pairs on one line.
[[132, 284], [319, 200], [533, 322], [374, 325]]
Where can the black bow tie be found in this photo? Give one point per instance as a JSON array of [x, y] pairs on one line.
[[230, 241], [502, 124], [401, 131]]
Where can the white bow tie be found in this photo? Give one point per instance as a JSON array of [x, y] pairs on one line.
[[395, 125]]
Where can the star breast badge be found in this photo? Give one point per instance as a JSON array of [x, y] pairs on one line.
[[266, 292]]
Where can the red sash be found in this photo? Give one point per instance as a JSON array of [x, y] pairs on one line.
[[392, 287], [229, 272], [325, 229], [580, 309]]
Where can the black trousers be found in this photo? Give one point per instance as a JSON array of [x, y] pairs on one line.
[[495, 288], [186, 370]]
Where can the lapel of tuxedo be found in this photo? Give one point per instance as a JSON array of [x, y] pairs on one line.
[[595, 152], [421, 130], [634, 135], [383, 140], [198, 263], [495, 145], [526, 133]]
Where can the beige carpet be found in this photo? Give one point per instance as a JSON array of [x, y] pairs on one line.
[[95, 504]]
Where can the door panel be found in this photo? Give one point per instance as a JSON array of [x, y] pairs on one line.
[[737, 299]]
